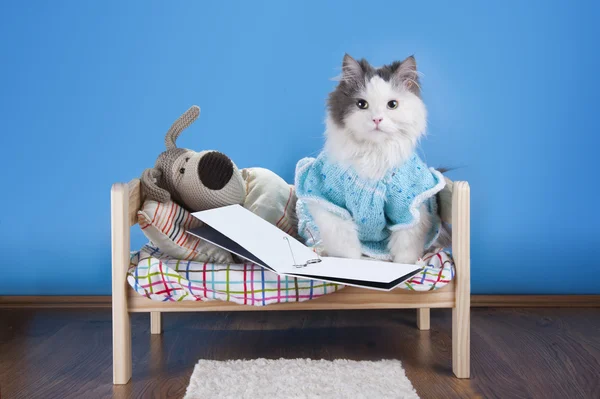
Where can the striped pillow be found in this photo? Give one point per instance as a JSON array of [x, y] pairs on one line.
[[165, 224]]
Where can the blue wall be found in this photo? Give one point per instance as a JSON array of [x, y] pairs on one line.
[[89, 88]]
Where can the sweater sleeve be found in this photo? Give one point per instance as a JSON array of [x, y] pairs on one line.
[[318, 182], [410, 187]]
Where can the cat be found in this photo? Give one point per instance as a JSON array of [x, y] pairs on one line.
[[368, 193]]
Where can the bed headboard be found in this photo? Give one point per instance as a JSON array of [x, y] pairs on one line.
[[135, 200]]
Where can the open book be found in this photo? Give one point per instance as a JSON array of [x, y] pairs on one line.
[[245, 234]]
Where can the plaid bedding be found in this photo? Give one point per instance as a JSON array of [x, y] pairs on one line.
[[162, 278]]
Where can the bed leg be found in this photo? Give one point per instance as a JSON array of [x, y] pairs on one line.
[[121, 348], [461, 340], [461, 312], [155, 323], [120, 262], [423, 318]]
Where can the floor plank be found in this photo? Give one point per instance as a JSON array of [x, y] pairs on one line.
[[516, 353]]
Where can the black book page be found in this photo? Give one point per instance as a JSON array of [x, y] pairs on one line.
[[361, 283], [215, 237]]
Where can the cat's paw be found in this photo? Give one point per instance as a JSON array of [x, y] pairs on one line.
[[340, 240], [339, 236], [407, 257], [342, 249]]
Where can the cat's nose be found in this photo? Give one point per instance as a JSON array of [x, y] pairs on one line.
[[377, 121]]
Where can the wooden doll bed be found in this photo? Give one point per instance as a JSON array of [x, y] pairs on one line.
[[126, 200]]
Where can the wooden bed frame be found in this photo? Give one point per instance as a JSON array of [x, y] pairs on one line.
[[126, 200]]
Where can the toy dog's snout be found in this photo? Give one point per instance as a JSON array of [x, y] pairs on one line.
[[215, 170]]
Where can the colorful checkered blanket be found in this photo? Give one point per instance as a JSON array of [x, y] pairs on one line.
[[162, 278]]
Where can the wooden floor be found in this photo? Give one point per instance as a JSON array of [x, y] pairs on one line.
[[516, 353]]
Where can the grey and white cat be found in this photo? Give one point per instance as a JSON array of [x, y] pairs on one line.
[[375, 118]]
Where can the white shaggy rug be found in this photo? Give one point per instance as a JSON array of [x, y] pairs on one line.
[[299, 378]]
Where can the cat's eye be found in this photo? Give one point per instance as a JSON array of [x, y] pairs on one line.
[[362, 104], [392, 104], [182, 170]]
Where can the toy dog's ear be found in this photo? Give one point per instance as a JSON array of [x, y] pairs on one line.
[[180, 124], [151, 189]]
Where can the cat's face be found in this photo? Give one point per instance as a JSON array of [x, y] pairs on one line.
[[378, 104]]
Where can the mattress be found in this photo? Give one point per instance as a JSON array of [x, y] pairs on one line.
[[162, 278]]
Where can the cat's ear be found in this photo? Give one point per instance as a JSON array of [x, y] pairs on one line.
[[351, 69], [407, 74]]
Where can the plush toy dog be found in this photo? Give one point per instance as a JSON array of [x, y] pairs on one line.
[[195, 180]]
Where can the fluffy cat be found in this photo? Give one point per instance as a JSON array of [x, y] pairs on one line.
[[358, 196]]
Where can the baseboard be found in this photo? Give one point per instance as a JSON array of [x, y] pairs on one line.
[[511, 301], [536, 301], [52, 301]]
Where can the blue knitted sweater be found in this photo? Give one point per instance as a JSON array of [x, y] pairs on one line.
[[377, 207]]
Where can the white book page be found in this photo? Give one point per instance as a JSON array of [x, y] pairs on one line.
[[269, 244], [258, 237], [357, 269]]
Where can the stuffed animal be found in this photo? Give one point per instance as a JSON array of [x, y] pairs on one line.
[[184, 181], [195, 180]]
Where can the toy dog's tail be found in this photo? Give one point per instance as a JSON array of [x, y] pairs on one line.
[[180, 125]]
